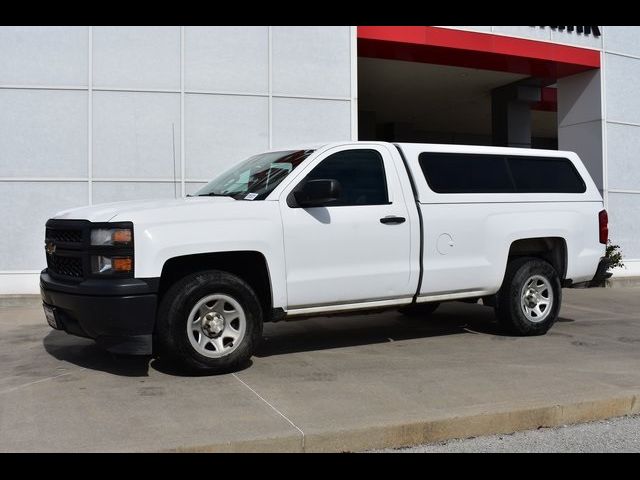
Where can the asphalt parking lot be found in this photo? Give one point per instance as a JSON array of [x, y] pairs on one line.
[[326, 384]]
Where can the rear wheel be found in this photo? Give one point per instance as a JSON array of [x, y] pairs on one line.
[[529, 300], [209, 322]]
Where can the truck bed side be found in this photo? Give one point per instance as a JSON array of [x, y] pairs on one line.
[[467, 238]]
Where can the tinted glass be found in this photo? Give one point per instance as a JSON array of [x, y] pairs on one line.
[[361, 176], [466, 173], [545, 175], [476, 173]]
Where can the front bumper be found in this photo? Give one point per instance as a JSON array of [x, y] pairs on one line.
[[118, 314]]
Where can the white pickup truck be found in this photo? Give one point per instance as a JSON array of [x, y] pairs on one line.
[[325, 229]]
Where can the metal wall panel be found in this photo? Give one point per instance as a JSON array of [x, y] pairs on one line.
[[43, 133]]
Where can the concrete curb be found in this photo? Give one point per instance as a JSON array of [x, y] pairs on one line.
[[623, 282], [282, 444], [435, 430]]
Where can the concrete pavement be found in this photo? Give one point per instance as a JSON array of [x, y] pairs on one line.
[[326, 384]]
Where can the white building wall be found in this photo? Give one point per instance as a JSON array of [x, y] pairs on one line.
[[545, 34], [621, 98], [98, 114], [95, 114]]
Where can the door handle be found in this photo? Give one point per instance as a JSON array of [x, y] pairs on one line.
[[392, 220]]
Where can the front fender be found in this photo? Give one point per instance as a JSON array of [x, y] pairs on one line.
[[156, 242]]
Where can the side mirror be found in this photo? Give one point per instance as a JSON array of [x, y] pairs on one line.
[[317, 193]]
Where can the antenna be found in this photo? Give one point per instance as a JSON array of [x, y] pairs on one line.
[[173, 140]]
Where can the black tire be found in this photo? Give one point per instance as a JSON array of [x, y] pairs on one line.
[[421, 310], [172, 339], [509, 309]]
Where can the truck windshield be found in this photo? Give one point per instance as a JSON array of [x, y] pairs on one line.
[[256, 177]]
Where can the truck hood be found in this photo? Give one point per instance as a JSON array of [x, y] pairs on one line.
[[108, 211]]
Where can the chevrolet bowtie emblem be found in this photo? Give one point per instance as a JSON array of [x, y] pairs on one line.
[[50, 248]]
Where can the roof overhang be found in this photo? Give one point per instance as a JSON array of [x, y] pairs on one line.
[[447, 46]]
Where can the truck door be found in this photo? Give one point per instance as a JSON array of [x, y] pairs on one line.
[[356, 248]]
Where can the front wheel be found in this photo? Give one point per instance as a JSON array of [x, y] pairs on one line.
[[530, 297], [209, 322]]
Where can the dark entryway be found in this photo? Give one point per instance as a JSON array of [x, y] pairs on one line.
[[421, 102]]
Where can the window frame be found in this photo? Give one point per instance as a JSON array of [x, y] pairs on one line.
[[292, 203]]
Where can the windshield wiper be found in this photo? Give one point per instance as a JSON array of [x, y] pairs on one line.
[[213, 194]]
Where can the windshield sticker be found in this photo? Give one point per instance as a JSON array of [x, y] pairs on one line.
[[251, 196]]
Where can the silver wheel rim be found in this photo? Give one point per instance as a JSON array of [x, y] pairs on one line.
[[536, 298], [216, 325]]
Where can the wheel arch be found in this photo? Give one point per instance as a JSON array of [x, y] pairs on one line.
[[551, 249], [250, 265]]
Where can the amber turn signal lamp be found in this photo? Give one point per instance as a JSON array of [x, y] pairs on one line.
[[121, 236], [122, 264]]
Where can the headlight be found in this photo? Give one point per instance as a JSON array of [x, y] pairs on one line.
[[111, 236], [107, 265]]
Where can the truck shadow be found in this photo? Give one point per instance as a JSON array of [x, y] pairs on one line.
[[315, 334], [324, 333], [341, 332], [86, 354]]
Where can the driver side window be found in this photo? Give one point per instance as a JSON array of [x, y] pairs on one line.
[[361, 176]]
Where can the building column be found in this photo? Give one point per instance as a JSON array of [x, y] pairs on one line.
[[511, 114], [580, 120]]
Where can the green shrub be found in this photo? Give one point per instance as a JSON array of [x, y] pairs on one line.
[[614, 255]]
